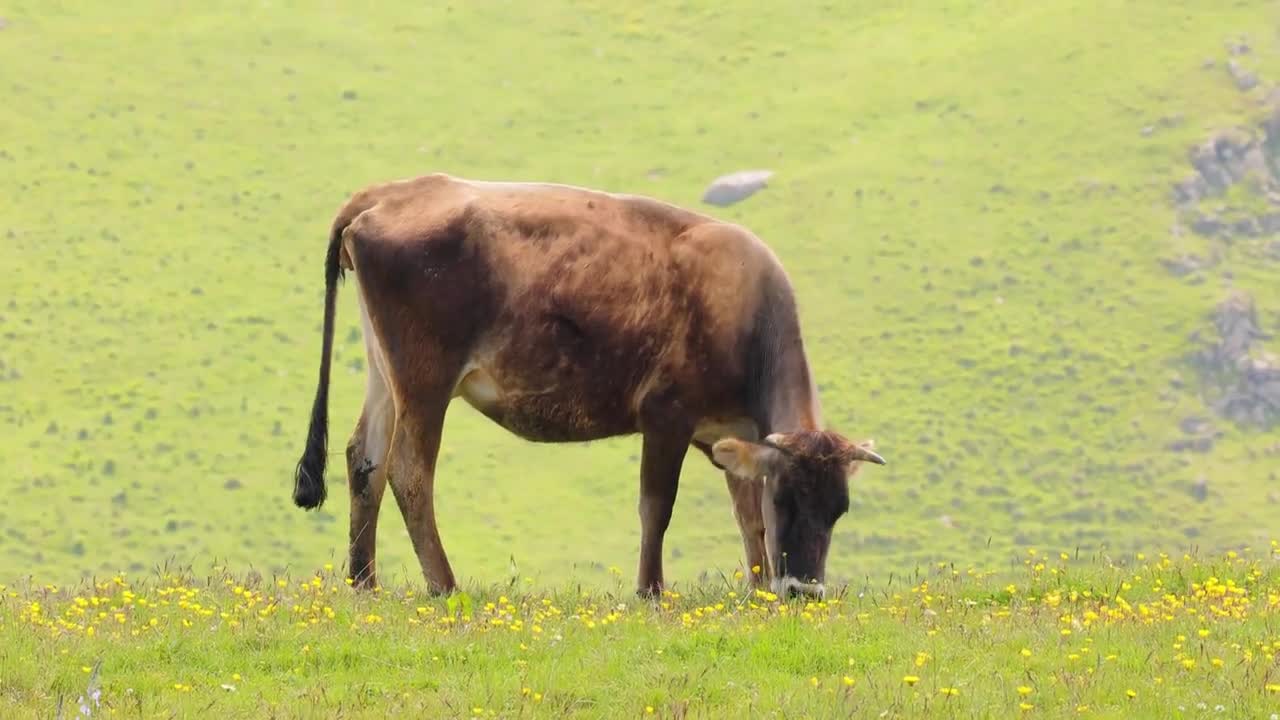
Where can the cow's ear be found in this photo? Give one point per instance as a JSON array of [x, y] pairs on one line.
[[744, 459]]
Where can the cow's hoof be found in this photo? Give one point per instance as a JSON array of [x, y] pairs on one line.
[[649, 593]]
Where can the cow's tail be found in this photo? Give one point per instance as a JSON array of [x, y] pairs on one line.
[[308, 484]]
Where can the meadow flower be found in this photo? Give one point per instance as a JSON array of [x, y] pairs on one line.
[[910, 679]]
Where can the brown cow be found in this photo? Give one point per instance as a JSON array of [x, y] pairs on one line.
[[565, 314]]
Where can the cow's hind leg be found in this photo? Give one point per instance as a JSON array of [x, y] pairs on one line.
[[415, 445], [367, 453], [367, 480], [747, 496]]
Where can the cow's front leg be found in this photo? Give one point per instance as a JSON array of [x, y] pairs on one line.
[[746, 495], [660, 463]]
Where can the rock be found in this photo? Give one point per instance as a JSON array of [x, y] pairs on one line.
[[1207, 225], [1198, 445], [1271, 123], [735, 187], [1195, 425], [349, 95], [1239, 46], [1228, 157], [1147, 130], [1237, 324], [1184, 264], [1200, 488], [232, 484], [1247, 386], [1191, 190], [1244, 79], [1246, 226], [1208, 63]]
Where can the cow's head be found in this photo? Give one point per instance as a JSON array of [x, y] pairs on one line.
[[804, 479]]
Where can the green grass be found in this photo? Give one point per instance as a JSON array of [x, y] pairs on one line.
[[1061, 636], [167, 180]]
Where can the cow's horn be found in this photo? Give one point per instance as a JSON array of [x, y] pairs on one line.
[[861, 453]]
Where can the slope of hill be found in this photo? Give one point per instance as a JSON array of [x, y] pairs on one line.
[[973, 200]]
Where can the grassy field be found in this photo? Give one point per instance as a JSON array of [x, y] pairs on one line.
[[1063, 636], [965, 196]]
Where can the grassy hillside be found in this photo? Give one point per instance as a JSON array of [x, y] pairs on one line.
[[965, 197], [1065, 636]]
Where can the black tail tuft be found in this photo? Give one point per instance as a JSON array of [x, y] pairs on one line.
[[308, 484]]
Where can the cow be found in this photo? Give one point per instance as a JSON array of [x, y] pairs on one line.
[[566, 314]]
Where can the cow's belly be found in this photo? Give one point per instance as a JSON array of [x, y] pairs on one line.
[[556, 412], [711, 430]]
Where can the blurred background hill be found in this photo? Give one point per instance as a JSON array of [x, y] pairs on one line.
[[1036, 247]]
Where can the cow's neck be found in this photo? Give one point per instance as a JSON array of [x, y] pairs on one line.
[[788, 399], [784, 398]]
